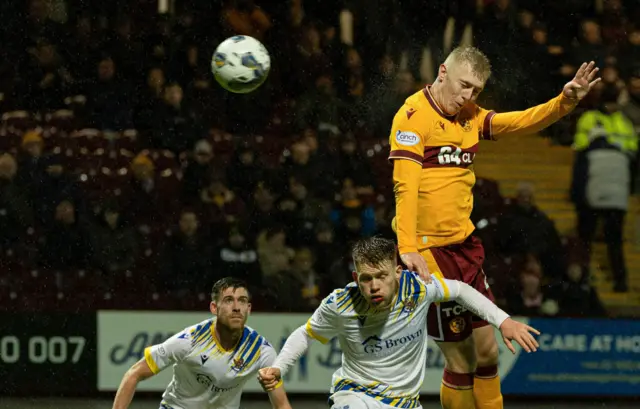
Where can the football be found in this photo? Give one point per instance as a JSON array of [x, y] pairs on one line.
[[241, 64]]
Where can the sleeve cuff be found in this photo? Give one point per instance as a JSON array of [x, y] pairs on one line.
[[402, 154], [149, 360], [487, 127]]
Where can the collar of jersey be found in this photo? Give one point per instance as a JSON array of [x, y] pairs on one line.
[[432, 101], [217, 341]]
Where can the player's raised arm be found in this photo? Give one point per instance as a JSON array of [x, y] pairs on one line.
[[407, 154], [451, 290], [537, 118], [322, 326], [156, 358]]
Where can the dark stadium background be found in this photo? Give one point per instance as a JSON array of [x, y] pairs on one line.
[[130, 181]]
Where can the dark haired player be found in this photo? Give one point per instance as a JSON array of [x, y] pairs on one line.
[[380, 321], [211, 360]]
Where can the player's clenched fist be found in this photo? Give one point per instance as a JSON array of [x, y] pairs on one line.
[[521, 333], [269, 378], [415, 262]]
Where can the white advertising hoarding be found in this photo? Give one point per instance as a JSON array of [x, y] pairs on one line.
[[123, 336]]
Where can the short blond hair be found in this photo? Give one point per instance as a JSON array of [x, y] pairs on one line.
[[476, 59]]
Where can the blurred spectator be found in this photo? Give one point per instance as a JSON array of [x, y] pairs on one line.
[[42, 177], [113, 245], [150, 98], [187, 256], [631, 109], [65, 243], [630, 54], [220, 204], [274, 254], [15, 212], [262, 209], [238, 258], [350, 216], [83, 49], [108, 99], [606, 145], [576, 297], [302, 285], [45, 78], [590, 48], [125, 49], [245, 171], [531, 301], [310, 210], [524, 229], [309, 61], [353, 165], [320, 108], [352, 81], [328, 249], [143, 202], [244, 17], [174, 123], [198, 172]]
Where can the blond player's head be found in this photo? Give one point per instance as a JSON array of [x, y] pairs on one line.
[[377, 270], [461, 78], [230, 303]]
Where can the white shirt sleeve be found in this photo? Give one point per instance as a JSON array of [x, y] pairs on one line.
[[441, 290], [323, 325], [171, 351], [297, 345], [267, 355]]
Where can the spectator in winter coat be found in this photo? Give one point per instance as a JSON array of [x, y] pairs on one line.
[[606, 145]]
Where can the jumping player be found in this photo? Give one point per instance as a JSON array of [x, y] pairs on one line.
[[211, 360], [434, 140], [380, 323]]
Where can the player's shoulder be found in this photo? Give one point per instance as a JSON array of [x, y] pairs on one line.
[[415, 109], [342, 301], [199, 330], [252, 336], [412, 290]]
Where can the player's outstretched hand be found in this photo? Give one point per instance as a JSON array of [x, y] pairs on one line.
[[415, 262], [583, 82], [521, 333], [269, 378]]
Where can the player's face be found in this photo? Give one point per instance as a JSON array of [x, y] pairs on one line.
[[232, 307], [460, 86], [379, 283]]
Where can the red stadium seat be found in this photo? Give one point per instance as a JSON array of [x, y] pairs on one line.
[[18, 121]]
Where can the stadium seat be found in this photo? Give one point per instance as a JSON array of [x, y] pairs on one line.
[[18, 121]]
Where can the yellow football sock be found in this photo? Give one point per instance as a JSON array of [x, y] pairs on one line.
[[456, 391], [486, 388]]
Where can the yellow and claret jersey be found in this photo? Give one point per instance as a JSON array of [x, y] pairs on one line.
[[205, 375], [433, 155]]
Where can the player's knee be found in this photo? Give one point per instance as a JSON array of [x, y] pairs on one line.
[[460, 357]]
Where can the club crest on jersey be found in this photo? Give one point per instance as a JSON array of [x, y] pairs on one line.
[[409, 306], [457, 325], [466, 125], [407, 138], [238, 364]]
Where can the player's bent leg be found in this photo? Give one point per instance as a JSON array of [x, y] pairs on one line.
[[456, 391], [486, 385]]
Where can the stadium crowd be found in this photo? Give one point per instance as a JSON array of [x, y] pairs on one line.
[[128, 177]]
